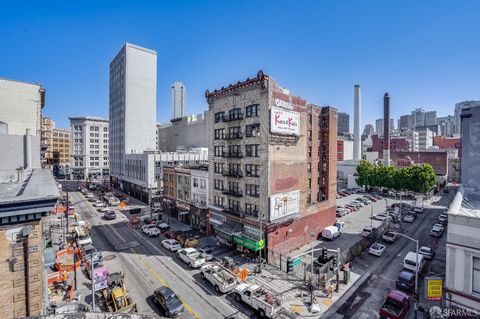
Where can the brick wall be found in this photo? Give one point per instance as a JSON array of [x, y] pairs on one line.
[[18, 276]]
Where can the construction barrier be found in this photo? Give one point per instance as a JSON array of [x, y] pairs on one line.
[[65, 259]]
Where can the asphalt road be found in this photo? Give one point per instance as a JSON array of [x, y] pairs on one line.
[[383, 271], [147, 266]]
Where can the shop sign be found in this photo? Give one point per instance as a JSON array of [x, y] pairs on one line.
[[434, 288], [284, 122], [283, 104], [284, 204], [254, 245]]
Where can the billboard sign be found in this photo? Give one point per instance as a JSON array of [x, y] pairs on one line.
[[284, 122], [284, 204]]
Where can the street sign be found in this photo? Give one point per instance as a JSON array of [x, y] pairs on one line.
[[296, 261], [434, 288]]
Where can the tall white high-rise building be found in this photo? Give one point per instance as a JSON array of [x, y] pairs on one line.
[[132, 112], [179, 100]]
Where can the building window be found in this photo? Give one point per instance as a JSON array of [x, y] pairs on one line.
[[218, 168], [251, 110], [252, 130], [218, 184], [234, 205], [310, 118], [219, 134], [218, 151], [203, 183], [251, 150], [476, 276], [310, 134], [234, 150], [234, 132], [252, 190], [251, 209], [309, 151], [195, 182], [219, 117], [235, 114], [252, 170]]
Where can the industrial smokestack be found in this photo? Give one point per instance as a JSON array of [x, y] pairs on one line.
[[386, 129], [357, 153]]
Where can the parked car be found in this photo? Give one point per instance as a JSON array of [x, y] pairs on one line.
[[376, 249], [170, 234], [396, 305], [171, 244], [97, 204], [410, 261], [389, 236], [206, 252], [150, 230], [110, 215], [354, 208], [191, 257], [358, 203], [364, 200], [170, 303], [418, 209], [382, 217], [406, 280], [367, 231], [370, 197], [149, 220], [427, 252], [187, 241], [409, 218], [330, 232], [443, 219], [341, 211], [435, 232], [163, 227], [103, 209], [439, 226]]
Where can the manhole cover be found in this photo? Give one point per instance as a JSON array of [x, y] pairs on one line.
[[109, 257]]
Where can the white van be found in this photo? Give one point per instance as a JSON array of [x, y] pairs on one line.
[[81, 236], [410, 261], [330, 232]]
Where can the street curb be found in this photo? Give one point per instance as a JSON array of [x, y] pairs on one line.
[[350, 291]]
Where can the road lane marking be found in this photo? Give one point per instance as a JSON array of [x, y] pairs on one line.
[[186, 273], [153, 272]]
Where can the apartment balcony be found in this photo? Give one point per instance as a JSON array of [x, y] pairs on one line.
[[233, 136], [237, 174], [233, 117], [232, 192], [232, 154]]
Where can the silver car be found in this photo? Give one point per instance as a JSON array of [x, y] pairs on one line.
[[207, 253]]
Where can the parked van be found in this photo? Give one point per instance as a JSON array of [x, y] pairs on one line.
[[330, 232], [410, 261], [81, 236]]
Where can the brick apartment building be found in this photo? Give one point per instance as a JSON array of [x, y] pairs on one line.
[[272, 175]]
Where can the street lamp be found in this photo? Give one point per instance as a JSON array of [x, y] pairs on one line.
[[416, 271], [260, 217]]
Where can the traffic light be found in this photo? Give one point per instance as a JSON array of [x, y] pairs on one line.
[[289, 265], [324, 253], [333, 265]]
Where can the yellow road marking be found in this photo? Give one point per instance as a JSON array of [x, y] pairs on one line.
[[153, 272]]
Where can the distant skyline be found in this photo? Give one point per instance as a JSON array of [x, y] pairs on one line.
[[425, 54]]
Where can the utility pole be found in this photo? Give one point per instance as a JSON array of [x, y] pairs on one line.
[[337, 286], [92, 276], [260, 216]]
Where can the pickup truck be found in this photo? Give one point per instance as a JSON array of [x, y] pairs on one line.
[[220, 277], [259, 299], [191, 257], [396, 305], [150, 230]]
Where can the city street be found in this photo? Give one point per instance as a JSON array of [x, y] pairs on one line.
[[380, 273], [147, 266]]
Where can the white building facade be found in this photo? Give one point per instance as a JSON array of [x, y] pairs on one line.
[[132, 111], [199, 184], [179, 100], [89, 153]]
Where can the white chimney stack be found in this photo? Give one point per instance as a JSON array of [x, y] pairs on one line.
[[357, 142]]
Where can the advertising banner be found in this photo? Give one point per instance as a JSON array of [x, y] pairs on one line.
[[284, 204], [284, 122]]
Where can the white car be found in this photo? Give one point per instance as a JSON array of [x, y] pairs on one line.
[[382, 217], [358, 203], [103, 209], [439, 227], [171, 244], [99, 204], [376, 249], [150, 230], [206, 253], [367, 231], [409, 218]]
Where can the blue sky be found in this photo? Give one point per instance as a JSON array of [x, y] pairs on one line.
[[424, 53]]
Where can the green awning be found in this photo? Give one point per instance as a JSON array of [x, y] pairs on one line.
[[254, 245]]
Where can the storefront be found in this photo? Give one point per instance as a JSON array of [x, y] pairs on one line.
[[198, 218], [183, 210], [246, 244], [225, 232], [168, 206]]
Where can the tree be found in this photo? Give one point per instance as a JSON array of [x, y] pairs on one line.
[[364, 171], [422, 178]]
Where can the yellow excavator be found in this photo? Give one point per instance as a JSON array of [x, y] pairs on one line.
[[115, 295]]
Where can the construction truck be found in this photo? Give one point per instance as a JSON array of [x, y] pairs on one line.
[[115, 295], [220, 277]]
